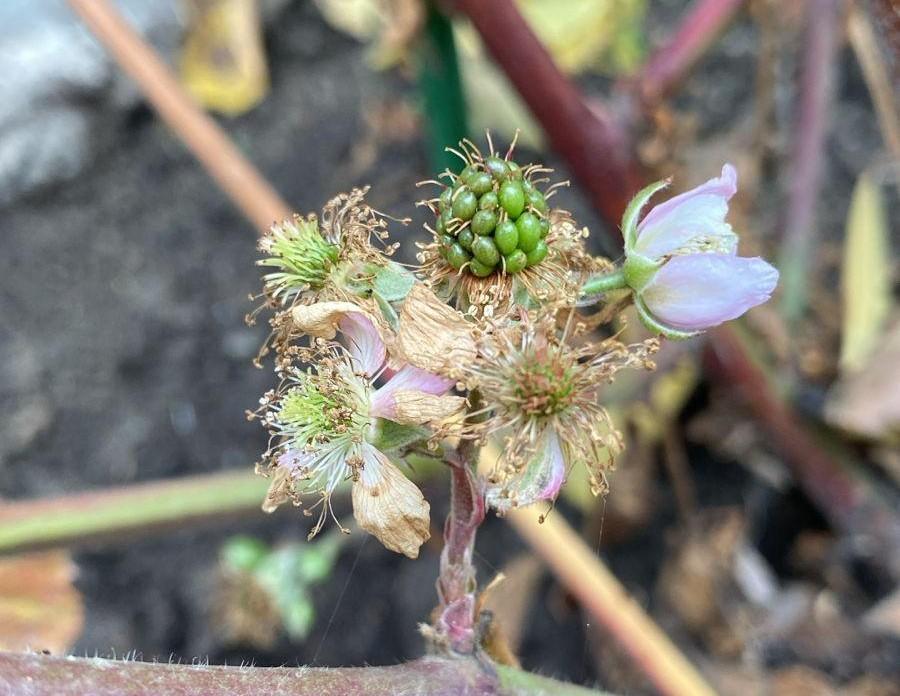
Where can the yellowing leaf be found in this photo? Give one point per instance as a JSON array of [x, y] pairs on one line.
[[865, 274], [589, 34], [222, 62], [40, 609]]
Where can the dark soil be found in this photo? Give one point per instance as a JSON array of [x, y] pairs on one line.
[[124, 357]]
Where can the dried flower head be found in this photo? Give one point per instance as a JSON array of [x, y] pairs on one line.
[[496, 243], [338, 420], [314, 260], [539, 387]]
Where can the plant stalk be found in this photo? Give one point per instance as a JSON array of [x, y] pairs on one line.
[[202, 135], [697, 31], [133, 510], [35, 674], [798, 248]]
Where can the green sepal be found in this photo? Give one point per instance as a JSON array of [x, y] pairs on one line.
[[630, 218], [389, 435], [639, 270], [393, 282], [387, 311], [656, 327]]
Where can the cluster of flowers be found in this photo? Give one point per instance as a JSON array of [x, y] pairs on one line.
[[376, 360]]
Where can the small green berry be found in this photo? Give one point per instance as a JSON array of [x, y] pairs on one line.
[[516, 261], [536, 200], [484, 222], [538, 254], [457, 256], [465, 203], [488, 201], [485, 251], [545, 227], [439, 225], [479, 269], [446, 218], [448, 240], [512, 198], [506, 236], [528, 186], [481, 183], [466, 174], [497, 167], [529, 228], [446, 199], [515, 171], [465, 239]]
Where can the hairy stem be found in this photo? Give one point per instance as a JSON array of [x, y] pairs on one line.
[[456, 622], [43, 675]]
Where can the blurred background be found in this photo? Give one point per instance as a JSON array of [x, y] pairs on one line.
[[124, 356]]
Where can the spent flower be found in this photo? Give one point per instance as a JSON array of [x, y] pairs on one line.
[[334, 421], [540, 390]]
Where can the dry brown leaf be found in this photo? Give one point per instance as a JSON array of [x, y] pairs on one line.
[[40, 609]]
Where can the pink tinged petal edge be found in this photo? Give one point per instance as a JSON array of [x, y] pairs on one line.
[[407, 378], [295, 460], [364, 343], [556, 465], [699, 212], [697, 291]]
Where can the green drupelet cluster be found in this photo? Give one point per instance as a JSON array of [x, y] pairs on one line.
[[493, 219]]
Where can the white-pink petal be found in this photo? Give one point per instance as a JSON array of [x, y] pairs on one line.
[[367, 350], [695, 292], [408, 378], [695, 214]]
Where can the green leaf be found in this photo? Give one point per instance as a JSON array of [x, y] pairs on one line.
[[243, 553], [865, 274], [393, 282]]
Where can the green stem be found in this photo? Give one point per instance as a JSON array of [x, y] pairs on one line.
[[73, 519], [605, 283], [441, 89]]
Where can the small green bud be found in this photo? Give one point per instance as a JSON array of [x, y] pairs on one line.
[[529, 228], [457, 256], [545, 227], [489, 201], [538, 254], [512, 198], [446, 199], [467, 173], [515, 171], [465, 239], [465, 203], [485, 250], [497, 167], [448, 240], [516, 261], [536, 200], [506, 236], [479, 269], [484, 222], [481, 183]]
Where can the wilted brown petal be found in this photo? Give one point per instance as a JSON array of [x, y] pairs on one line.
[[391, 507], [418, 408], [279, 490], [432, 335], [321, 319]]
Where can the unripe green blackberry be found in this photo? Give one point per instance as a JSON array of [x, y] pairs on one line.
[[492, 217]]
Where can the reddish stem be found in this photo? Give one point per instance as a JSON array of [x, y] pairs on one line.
[[596, 146], [819, 58], [456, 583], [697, 31], [846, 500]]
